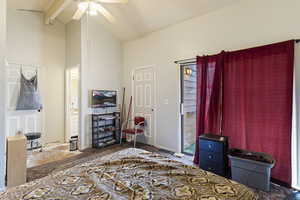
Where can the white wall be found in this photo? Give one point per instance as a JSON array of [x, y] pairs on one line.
[[29, 41], [247, 23], [101, 68], [2, 90], [73, 45]]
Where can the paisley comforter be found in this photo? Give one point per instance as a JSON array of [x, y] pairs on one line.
[[131, 174]]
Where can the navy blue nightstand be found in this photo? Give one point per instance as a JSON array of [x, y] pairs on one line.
[[294, 196], [213, 154]]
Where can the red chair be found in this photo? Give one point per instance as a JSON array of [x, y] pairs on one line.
[[138, 129]]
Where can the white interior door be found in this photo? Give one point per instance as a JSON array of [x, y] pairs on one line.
[[144, 101], [27, 120], [72, 99]]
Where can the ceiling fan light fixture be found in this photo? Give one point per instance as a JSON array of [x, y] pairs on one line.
[[83, 6], [92, 12], [93, 5], [89, 6], [93, 8]]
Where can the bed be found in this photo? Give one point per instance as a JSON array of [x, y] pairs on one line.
[[131, 174]]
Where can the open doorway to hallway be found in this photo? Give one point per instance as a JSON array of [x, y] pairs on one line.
[[43, 128], [188, 107], [60, 150]]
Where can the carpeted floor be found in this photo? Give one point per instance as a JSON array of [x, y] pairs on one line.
[[277, 192]]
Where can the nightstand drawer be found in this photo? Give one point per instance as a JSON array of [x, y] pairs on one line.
[[211, 156], [213, 153], [212, 167], [212, 146]]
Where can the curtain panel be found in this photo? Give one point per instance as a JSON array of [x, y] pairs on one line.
[[257, 111], [209, 97], [248, 97]]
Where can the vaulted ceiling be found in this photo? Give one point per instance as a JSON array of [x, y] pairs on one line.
[[136, 18]]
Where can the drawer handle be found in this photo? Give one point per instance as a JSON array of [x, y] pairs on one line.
[[210, 146], [210, 156]]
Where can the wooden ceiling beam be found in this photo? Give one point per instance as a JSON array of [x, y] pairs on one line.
[[55, 9]]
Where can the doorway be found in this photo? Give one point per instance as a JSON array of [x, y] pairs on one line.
[[143, 87], [188, 107], [40, 150], [72, 102]]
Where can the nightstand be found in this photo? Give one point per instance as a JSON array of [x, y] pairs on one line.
[[213, 153]]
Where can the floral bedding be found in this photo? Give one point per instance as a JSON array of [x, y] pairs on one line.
[[132, 174]]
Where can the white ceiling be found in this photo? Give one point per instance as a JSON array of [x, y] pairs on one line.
[[138, 17], [29, 4]]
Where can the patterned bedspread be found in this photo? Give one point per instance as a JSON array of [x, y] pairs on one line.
[[131, 174]]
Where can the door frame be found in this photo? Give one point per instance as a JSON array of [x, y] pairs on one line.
[[181, 104], [181, 69], [67, 101], [154, 96]]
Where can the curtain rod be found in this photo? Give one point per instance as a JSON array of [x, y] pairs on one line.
[[192, 60], [189, 60]]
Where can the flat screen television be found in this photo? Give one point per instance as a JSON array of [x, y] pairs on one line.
[[104, 98]]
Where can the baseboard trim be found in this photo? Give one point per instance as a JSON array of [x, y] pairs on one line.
[[281, 183], [165, 149]]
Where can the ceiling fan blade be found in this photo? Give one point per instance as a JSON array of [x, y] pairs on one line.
[[78, 14], [105, 13], [30, 10], [112, 1]]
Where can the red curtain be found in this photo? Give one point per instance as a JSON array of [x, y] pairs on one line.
[[209, 96], [257, 102]]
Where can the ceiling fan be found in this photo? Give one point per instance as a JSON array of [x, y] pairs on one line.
[[93, 7]]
